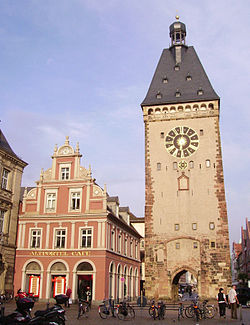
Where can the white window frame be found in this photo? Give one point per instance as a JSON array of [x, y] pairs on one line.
[[63, 166], [112, 240], [80, 237], [71, 192], [49, 191], [125, 246], [119, 243], [2, 215], [136, 250], [55, 237], [36, 236], [131, 248], [5, 178]]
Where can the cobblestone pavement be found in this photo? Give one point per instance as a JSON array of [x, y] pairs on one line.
[[142, 317]]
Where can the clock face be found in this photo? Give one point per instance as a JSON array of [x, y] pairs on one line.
[[182, 141]]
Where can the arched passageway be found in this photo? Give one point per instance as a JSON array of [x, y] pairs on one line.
[[184, 285]]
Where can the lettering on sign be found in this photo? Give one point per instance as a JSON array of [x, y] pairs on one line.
[[61, 254]]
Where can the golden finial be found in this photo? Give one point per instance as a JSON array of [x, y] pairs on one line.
[[177, 17], [67, 140]]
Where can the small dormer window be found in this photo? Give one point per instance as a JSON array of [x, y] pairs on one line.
[[176, 67], [200, 92], [177, 93], [158, 95], [188, 77], [165, 80]]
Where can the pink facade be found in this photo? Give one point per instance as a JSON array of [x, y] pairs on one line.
[[71, 234]]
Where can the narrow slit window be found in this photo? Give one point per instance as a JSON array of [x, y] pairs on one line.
[[158, 166]]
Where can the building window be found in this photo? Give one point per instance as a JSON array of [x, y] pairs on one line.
[[201, 132], [175, 166], [112, 240], [194, 226], [2, 212], [177, 226], [177, 245], [191, 164], [208, 164], [125, 246], [5, 179], [86, 238], [158, 166], [119, 243], [35, 238], [162, 135], [165, 80], [195, 244], [75, 200], [131, 248], [51, 201], [64, 173], [136, 250], [60, 238], [188, 77], [142, 243], [211, 225], [212, 244]]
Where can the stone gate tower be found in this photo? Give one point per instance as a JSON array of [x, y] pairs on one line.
[[186, 226]]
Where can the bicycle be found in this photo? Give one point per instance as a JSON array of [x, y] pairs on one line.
[[153, 310], [204, 310], [105, 311], [125, 311], [83, 308], [161, 310]]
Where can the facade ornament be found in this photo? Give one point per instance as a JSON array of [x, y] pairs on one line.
[[67, 140], [55, 148], [77, 147], [25, 192]]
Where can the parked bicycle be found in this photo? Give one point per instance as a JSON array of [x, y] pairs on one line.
[[106, 311], [204, 310], [161, 310], [83, 308], [153, 310], [125, 311]]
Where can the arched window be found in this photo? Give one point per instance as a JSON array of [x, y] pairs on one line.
[[191, 164], [208, 163], [150, 111]]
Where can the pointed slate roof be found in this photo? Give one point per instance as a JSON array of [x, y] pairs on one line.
[[198, 88], [4, 145]]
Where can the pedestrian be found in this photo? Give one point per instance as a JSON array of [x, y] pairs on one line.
[[68, 294], [88, 296], [221, 298], [233, 300]]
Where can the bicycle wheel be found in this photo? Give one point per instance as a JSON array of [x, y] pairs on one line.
[[189, 311], [121, 313], [209, 311], [153, 312], [131, 312], [103, 312]]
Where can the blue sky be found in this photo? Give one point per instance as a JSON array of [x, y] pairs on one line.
[[82, 67]]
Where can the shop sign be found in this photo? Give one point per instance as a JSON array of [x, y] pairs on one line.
[[60, 254]]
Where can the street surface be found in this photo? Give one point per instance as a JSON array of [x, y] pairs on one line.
[[141, 317]]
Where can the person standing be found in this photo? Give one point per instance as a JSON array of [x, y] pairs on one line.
[[233, 300], [222, 302]]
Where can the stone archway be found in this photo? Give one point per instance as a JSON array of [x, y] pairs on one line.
[[184, 284]]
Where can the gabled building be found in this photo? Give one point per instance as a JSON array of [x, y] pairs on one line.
[[11, 170], [71, 233]]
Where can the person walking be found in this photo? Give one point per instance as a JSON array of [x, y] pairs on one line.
[[221, 298], [68, 294], [233, 300]]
